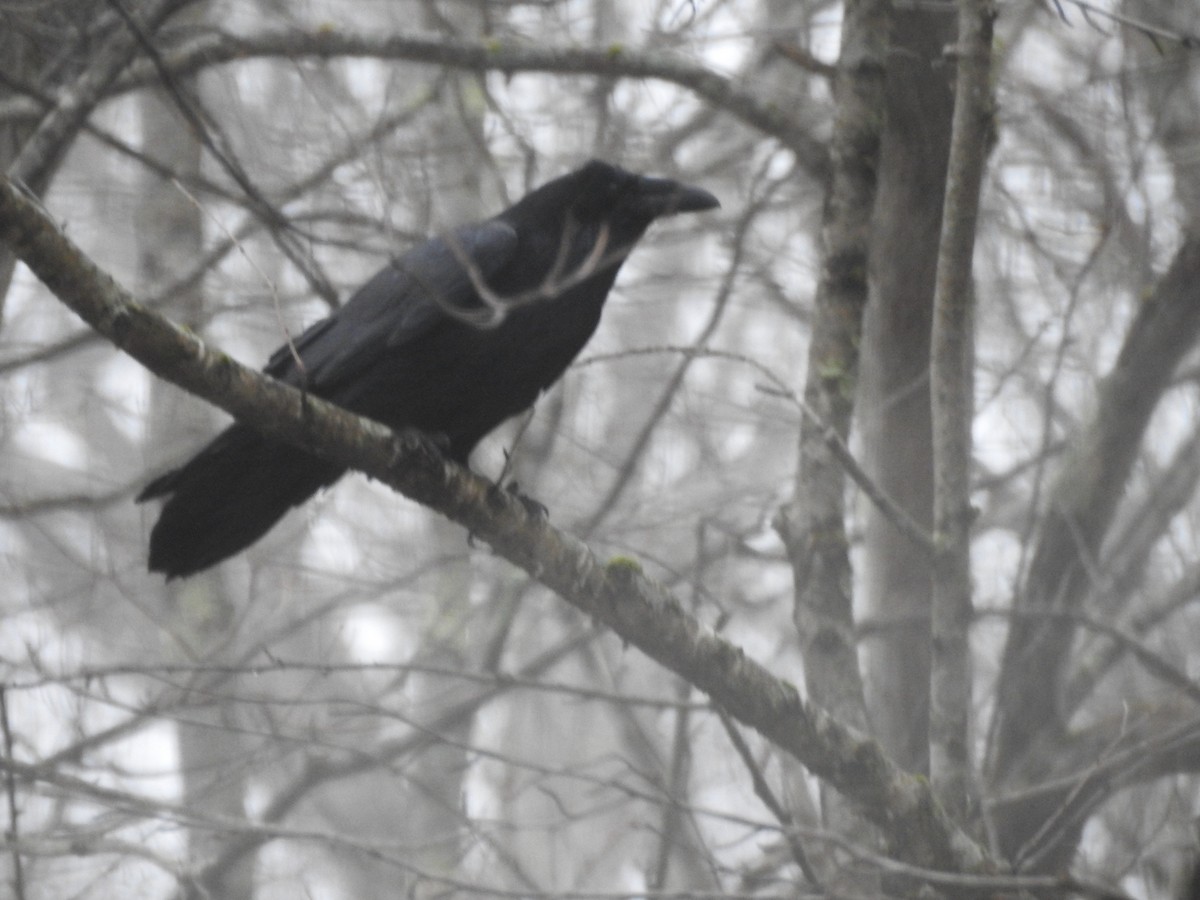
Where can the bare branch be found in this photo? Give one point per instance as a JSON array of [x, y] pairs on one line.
[[42, 152], [497, 55], [838, 448], [1082, 503], [496, 307], [813, 525], [952, 357], [13, 832], [1153, 32], [763, 791]]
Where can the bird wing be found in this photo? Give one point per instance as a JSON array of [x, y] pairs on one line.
[[402, 302]]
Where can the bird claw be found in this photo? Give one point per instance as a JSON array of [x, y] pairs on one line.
[[535, 509]]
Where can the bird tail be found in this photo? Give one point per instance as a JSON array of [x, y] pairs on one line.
[[227, 497]]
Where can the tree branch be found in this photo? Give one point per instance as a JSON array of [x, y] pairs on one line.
[[951, 387], [496, 54], [40, 154], [1081, 506], [813, 525]]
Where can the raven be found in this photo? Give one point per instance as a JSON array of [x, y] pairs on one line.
[[452, 338]]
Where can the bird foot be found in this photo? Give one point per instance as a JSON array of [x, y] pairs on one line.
[[535, 508]]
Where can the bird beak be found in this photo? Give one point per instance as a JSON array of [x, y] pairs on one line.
[[664, 197]]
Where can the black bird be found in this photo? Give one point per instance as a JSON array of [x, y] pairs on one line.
[[453, 337]]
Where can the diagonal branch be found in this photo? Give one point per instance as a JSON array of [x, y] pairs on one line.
[[1081, 507]]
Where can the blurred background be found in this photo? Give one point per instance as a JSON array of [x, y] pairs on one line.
[[366, 704]]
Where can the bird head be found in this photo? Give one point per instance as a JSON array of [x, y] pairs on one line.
[[588, 220], [604, 192]]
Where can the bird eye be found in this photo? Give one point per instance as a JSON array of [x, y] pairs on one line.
[[615, 189]]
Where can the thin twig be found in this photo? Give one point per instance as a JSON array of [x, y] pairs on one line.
[[889, 508], [10, 790], [763, 791], [203, 128], [1153, 32], [496, 307], [272, 288]]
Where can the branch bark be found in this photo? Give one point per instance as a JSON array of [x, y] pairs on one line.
[[814, 524], [951, 386]]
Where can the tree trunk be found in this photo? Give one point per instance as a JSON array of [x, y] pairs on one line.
[[895, 429]]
